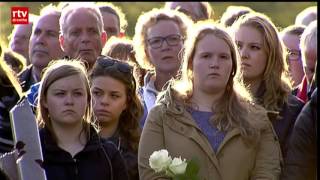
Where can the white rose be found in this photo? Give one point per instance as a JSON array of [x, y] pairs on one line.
[[159, 160], [178, 166]]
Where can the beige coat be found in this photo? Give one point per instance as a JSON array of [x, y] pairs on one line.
[[169, 126]]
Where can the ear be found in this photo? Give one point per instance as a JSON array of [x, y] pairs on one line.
[[104, 38], [61, 40], [45, 103]]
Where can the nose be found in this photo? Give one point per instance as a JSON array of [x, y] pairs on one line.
[[165, 45], [214, 63], [85, 38], [40, 39], [104, 100], [16, 41], [69, 100], [244, 53]]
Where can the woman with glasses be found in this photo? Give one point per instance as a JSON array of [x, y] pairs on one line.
[[265, 73], [71, 146], [117, 108], [158, 41], [207, 115]]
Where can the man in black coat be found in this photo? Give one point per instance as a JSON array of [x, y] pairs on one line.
[[301, 160]]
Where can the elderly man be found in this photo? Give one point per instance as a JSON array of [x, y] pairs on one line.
[[44, 46], [308, 46], [82, 35]]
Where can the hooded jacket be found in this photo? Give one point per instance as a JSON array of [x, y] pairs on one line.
[[91, 163], [170, 126]]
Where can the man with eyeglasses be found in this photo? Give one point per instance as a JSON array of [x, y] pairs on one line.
[[290, 37]]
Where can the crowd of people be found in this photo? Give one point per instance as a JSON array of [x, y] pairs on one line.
[[238, 93]]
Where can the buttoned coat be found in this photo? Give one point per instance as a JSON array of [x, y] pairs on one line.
[[169, 126]]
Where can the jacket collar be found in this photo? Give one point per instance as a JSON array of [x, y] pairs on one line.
[[50, 145], [149, 83], [178, 111]]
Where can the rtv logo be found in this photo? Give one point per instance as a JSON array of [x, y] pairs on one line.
[[19, 15]]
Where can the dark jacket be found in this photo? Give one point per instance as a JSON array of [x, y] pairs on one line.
[[283, 122], [130, 157], [301, 161], [26, 79], [89, 164], [8, 98]]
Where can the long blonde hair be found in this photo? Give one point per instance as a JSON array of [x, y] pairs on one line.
[[232, 109], [275, 78], [56, 70]]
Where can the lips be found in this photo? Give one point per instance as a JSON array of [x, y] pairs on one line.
[[167, 58], [39, 51], [214, 74], [86, 50], [245, 65], [68, 111], [102, 113]]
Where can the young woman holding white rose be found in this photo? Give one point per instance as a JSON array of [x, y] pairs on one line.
[[208, 115]]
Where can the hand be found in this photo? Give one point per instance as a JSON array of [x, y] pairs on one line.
[[8, 165]]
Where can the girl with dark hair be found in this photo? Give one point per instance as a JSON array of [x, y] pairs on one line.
[[117, 108]]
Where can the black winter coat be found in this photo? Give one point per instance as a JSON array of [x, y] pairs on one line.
[[89, 164], [301, 161], [26, 79], [284, 123]]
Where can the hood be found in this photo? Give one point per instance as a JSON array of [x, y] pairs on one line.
[[169, 100]]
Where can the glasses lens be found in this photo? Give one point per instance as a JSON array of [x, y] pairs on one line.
[[125, 68], [155, 42], [106, 62], [294, 55], [173, 40]]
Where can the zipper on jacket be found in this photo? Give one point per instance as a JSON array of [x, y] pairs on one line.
[[76, 168]]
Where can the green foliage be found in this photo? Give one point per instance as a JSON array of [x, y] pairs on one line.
[[281, 13], [191, 173]]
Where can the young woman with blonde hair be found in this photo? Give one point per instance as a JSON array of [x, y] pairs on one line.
[[265, 72], [208, 115]]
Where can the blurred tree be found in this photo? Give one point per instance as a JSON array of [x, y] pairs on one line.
[[281, 13]]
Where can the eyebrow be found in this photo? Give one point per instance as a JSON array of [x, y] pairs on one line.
[[78, 89], [255, 43], [99, 89]]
